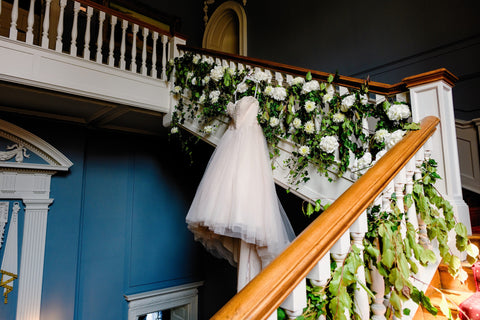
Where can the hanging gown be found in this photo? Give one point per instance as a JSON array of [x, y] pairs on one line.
[[236, 198]]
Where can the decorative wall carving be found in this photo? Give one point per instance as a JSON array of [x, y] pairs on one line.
[[16, 151]]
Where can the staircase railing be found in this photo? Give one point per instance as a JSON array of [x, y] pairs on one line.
[[260, 298]]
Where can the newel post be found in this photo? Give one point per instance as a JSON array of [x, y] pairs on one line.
[[431, 94]]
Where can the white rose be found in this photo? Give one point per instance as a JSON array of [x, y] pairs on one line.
[[274, 122], [297, 81], [279, 93], [309, 127], [304, 150], [194, 81], [217, 73], [380, 135], [364, 161], [269, 91], [327, 97], [208, 129], [262, 76], [177, 89], [329, 144], [242, 87], [202, 98], [398, 112], [393, 138], [297, 123], [189, 75], [338, 117], [310, 106], [310, 86], [174, 130], [205, 80], [214, 96], [196, 59], [347, 102]]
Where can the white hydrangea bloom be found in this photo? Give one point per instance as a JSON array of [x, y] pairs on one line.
[[398, 112], [268, 91], [205, 80], [202, 98], [310, 106], [196, 59], [279, 93], [274, 122], [214, 96], [327, 98], [393, 138], [208, 60], [296, 81], [380, 154], [217, 73], [304, 150], [364, 161], [242, 87], [347, 102], [177, 89], [174, 130], [309, 127], [194, 81], [380, 135], [329, 144], [262, 76], [310, 86], [208, 129], [338, 117], [231, 71], [297, 123], [189, 75]]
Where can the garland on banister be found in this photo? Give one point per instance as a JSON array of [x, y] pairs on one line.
[[330, 130]]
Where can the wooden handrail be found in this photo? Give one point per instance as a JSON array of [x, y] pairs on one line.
[[268, 289], [374, 87], [131, 19]]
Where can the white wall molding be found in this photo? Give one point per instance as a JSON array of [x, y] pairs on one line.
[[183, 297], [30, 182], [468, 137]]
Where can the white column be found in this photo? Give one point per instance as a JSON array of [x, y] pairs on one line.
[[73, 43], [133, 64], [31, 263], [13, 23], [58, 45], [46, 24], [164, 56], [360, 299], [101, 18], [435, 98], [143, 68], [30, 21], [173, 51], [113, 23], [86, 45], [122, 45], [154, 54]]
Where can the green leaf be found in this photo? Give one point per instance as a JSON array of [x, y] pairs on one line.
[[308, 77], [387, 258], [330, 78], [472, 250], [406, 311], [444, 307], [411, 126], [461, 230]]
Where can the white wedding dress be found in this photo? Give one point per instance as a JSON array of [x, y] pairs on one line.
[[236, 213]]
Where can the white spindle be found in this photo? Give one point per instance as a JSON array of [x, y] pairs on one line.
[[46, 24], [143, 68], [30, 20], [412, 211], [357, 232], [13, 23], [164, 56], [320, 274], [401, 97], [154, 54], [399, 183], [101, 18], [73, 44], [270, 75], [378, 288], [86, 46], [339, 253], [122, 45], [296, 301], [379, 98], [240, 67], [422, 227], [59, 44], [218, 61], [133, 65], [279, 78], [113, 23]]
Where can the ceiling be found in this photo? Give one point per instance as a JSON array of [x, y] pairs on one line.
[[89, 112]]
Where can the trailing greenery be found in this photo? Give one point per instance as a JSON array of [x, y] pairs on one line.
[[328, 128]]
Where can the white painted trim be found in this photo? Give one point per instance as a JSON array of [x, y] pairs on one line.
[[184, 296], [468, 147], [32, 186], [214, 30]]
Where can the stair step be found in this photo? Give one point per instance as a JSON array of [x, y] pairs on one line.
[[450, 283]]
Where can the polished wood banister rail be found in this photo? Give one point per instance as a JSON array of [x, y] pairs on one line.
[[131, 19], [374, 87], [266, 292]]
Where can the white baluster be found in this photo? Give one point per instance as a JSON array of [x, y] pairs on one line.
[[279, 78], [270, 75], [379, 99], [101, 18], [240, 67], [296, 301], [122, 45], [320, 274], [399, 183], [218, 61], [46, 24], [143, 68], [339, 253], [13, 23], [30, 21], [224, 63], [412, 211], [59, 44], [164, 56], [111, 47], [86, 46], [357, 232], [73, 44], [133, 65], [154, 54], [422, 227], [378, 288]]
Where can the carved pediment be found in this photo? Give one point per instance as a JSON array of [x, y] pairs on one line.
[[20, 149]]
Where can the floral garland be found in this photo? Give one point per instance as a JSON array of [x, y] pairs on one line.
[[328, 128]]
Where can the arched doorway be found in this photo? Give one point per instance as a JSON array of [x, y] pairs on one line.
[[227, 29]]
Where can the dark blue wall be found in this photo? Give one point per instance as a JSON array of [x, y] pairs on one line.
[[117, 224]]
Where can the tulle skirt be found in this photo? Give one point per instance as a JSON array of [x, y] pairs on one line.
[[237, 199]]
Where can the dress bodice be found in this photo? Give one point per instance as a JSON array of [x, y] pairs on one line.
[[243, 112]]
